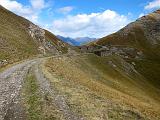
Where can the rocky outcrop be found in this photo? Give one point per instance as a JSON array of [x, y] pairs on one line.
[[149, 24], [122, 51], [38, 34], [128, 68], [3, 63], [21, 39], [151, 27]]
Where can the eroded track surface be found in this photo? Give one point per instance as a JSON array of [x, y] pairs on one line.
[[11, 84]]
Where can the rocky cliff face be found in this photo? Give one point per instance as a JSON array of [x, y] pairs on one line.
[[38, 34]]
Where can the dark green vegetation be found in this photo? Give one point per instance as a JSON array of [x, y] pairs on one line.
[[150, 70]]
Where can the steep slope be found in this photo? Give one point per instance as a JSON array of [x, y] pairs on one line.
[[143, 34], [134, 53], [138, 44], [106, 88], [21, 39]]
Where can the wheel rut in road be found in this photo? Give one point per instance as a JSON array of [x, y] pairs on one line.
[[11, 81], [11, 84], [58, 99]]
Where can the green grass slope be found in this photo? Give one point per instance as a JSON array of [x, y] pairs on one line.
[[144, 35], [125, 86], [136, 77], [15, 41]]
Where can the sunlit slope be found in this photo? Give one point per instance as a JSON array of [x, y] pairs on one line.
[[110, 78], [142, 35], [21, 39]]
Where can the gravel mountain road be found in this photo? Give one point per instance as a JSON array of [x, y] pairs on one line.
[[11, 83]]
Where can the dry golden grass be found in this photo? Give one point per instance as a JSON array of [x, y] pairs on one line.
[[38, 106], [15, 42], [81, 72]]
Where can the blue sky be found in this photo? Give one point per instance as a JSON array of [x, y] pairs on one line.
[[80, 18]]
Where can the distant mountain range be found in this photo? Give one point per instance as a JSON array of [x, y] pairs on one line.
[[76, 41]]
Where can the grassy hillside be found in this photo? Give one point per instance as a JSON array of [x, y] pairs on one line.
[[119, 74], [15, 41], [60, 46], [144, 35], [135, 39], [123, 86]]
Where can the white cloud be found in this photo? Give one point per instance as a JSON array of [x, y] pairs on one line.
[[65, 10], [153, 4], [141, 15], [15, 6], [38, 4], [93, 25], [30, 12]]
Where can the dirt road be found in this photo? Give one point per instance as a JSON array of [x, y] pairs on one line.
[[11, 83], [37, 90]]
